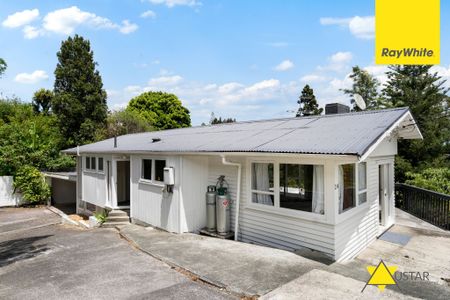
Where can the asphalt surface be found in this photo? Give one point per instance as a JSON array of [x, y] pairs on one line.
[[43, 259]]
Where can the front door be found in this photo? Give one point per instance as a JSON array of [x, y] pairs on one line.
[[123, 183]]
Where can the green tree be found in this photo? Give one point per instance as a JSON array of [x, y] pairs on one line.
[[308, 103], [29, 139], [42, 101], [424, 93], [31, 184], [79, 100], [367, 86], [435, 179], [219, 120], [161, 110], [123, 122], [3, 66]]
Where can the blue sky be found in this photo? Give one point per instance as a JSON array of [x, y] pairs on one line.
[[241, 59]]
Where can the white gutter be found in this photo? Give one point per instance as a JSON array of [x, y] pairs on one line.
[[238, 193]]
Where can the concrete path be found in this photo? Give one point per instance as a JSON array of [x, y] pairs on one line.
[[239, 267], [408, 220], [67, 262]]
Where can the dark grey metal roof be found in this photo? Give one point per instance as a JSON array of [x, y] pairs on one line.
[[349, 133]]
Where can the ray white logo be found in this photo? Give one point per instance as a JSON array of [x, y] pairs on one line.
[[407, 52]]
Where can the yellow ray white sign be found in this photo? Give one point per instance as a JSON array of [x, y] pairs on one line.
[[407, 32]]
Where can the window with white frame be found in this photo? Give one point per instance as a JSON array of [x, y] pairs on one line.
[[153, 170], [350, 177], [93, 164], [100, 164], [88, 163], [263, 183], [289, 186], [146, 169], [362, 183]]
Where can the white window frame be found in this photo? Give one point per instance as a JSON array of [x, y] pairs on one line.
[[276, 185], [359, 192], [151, 181], [356, 191]]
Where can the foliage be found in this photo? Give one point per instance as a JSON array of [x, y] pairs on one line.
[[161, 110], [42, 100], [308, 103], [424, 93], [31, 183], [3, 66], [79, 100], [123, 122], [435, 179], [29, 139], [101, 216], [221, 121], [367, 86]]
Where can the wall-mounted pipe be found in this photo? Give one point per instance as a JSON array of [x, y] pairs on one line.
[[238, 193]]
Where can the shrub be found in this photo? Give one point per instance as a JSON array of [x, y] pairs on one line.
[[31, 183], [435, 179]]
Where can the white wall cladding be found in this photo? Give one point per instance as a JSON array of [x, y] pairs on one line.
[[358, 231], [7, 195], [149, 203], [94, 188], [193, 188]]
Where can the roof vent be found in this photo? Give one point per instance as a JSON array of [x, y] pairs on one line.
[[155, 140], [336, 108]]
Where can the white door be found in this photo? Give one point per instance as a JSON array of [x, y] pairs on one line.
[[385, 194]]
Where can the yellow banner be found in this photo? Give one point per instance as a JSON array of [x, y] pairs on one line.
[[407, 32]]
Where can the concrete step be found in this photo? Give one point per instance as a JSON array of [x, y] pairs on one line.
[[117, 219], [114, 224], [117, 212]]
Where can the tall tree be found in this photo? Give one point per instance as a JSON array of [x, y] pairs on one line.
[[3, 66], [308, 103], [80, 100], [424, 93], [42, 100], [367, 86], [161, 110]]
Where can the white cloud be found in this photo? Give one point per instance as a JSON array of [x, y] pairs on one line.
[[165, 80], [148, 14], [341, 57], [284, 65], [128, 27], [173, 3], [21, 18], [262, 86], [65, 21], [31, 78], [338, 62], [31, 32], [229, 88], [312, 78], [360, 27]]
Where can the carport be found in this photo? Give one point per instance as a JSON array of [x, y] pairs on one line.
[[64, 187]]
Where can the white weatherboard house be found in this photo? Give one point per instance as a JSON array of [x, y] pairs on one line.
[[322, 182]]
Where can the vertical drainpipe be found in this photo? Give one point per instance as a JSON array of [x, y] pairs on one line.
[[238, 193]]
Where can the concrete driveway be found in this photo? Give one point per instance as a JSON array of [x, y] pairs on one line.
[[43, 259]]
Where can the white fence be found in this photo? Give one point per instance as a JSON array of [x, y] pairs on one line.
[[7, 195]]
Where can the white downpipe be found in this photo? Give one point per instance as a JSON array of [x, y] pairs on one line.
[[238, 193]]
